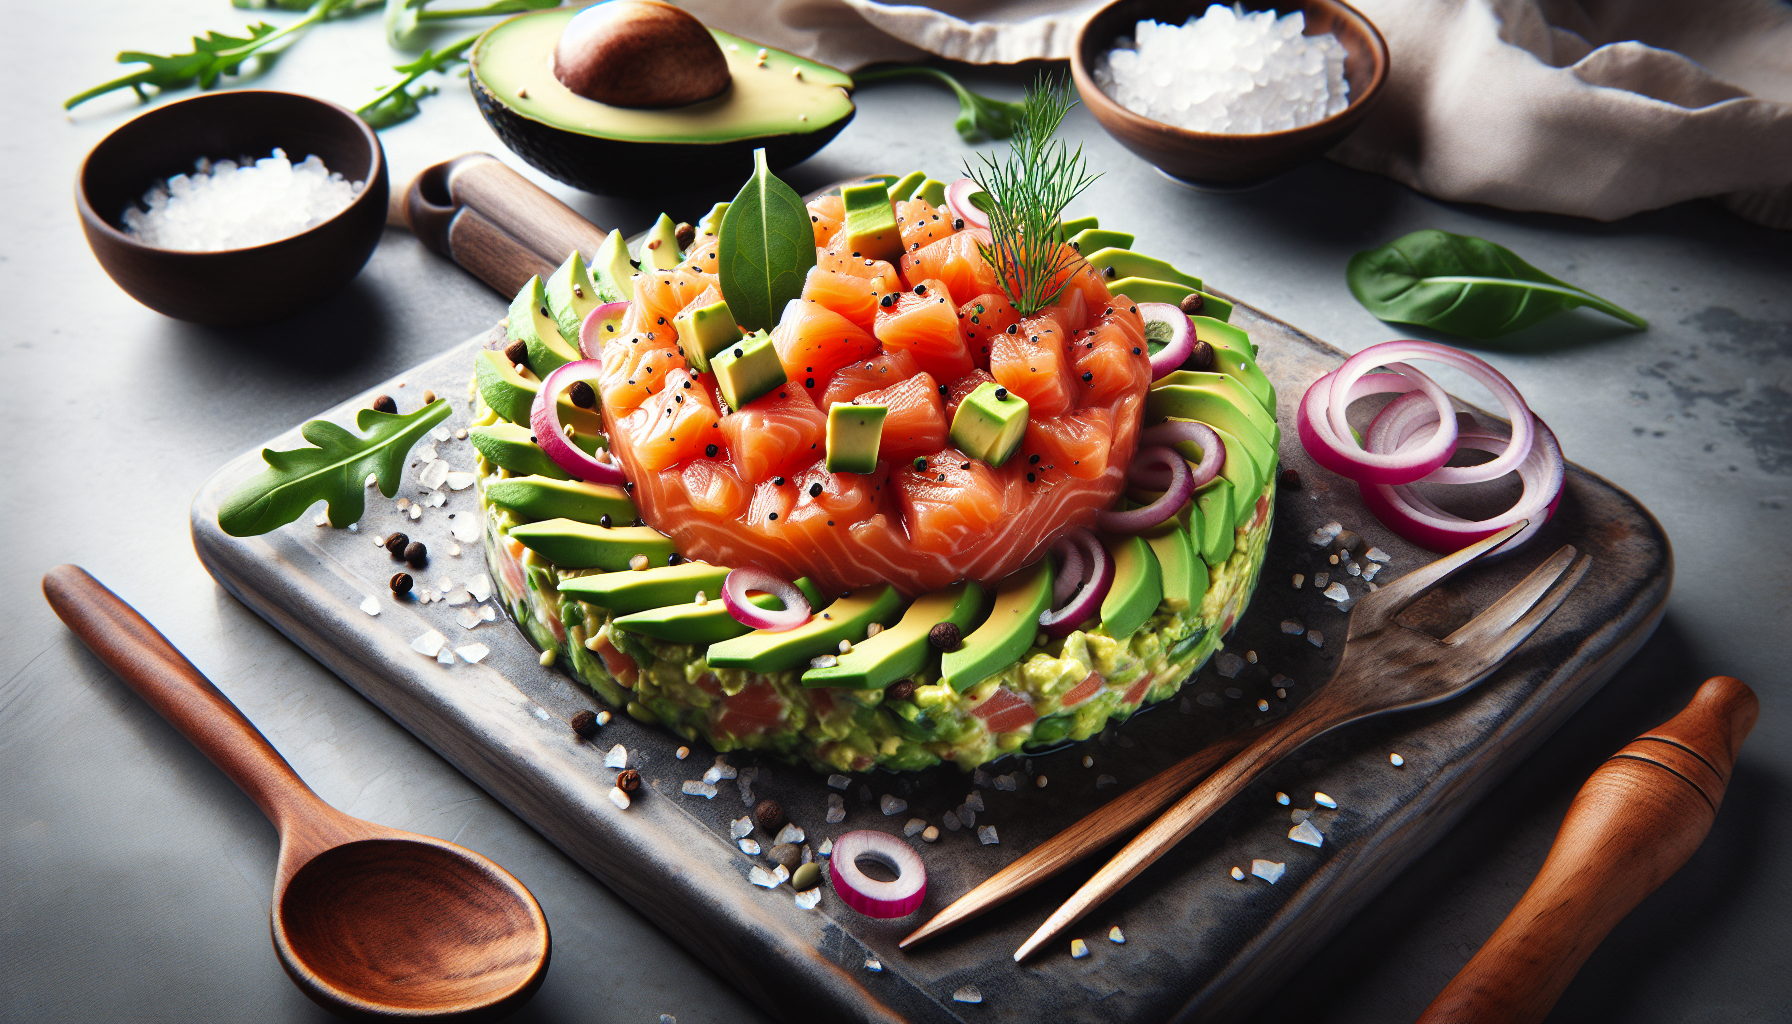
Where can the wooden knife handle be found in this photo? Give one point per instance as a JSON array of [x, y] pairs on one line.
[[1636, 821], [179, 692], [494, 222]]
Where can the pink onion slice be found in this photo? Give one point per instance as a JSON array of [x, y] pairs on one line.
[[1175, 432], [958, 200], [1169, 359], [1071, 569], [600, 325], [1085, 601], [1340, 453], [1418, 519], [544, 420], [1517, 411], [740, 582], [1177, 490], [867, 895]]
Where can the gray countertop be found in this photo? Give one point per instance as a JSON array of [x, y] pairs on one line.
[[134, 879]]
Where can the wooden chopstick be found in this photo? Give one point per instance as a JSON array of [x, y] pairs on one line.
[[1094, 831]]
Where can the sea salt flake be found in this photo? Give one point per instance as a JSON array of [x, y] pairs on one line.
[[473, 653], [323, 519], [617, 757], [1292, 627], [465, 529], [762, 878], [416, 512], [1237, 873], [987, 835], [974, 800], [1321, 580], [444, 657], [1324, 801], [724, 770], [840, 782], [1228, 664], [1116, 936], [914, 826], [440, 434], [1316, 638], [836, 809], [781, 873], [741, 827], [459, 598], [968, 994], [713, 775], [950, 820], [433, 474], [892, 804], [1268, 870], [1078, 949], [371, 606], [874, 965], [436, 499], [487, 613], [460, 480], [619, 798], [468, 618], [790, 833], [826, 849], [693, 787], [966, 816], [1306, 833], [429, 644], [1338, 592], [480, 587], [1005, 783], [1377, 555], [749, 847], [809, 900], [1209, 700]]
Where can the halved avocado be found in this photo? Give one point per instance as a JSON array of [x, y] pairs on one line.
[[624, 151]]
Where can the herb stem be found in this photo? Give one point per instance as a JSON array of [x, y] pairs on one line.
[[376, 112], [1537, 286]]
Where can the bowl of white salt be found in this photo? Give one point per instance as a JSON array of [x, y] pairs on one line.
[[235, 207], [1226, 96]]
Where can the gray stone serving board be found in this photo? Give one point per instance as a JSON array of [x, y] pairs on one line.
[[1199, 945]]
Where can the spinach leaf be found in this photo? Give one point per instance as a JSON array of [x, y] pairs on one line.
[[1465, 286], [765, 249], [979, 117], [336, 471]]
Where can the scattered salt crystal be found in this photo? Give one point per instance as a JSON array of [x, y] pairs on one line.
[[1353, 569], [465, 529], [1377, 555], [749, 847], [619, 798], [1104, 781], [913, 826], [761, 877], [354, 527], [1331, 530], [460, 481], [693, 787], [227, 205], [741, 827], [930, 834], [444, 657], [433, 475], [1306, 833], [840, 782], [1280, 680], [724, 770], [1321, 580], [1115, 935], [1316, 638], [713, 775], [416, 512], [473, 653], [809, 900], [823, 661], [790, 833], [1005, 783], [1282, 798], [874, 965], [487, 613], [1228, 664], [436, 499], [1324, 801], [826, 849], [323, 519], [1338, 592], [950, 820], [1078, 949], [371, 606], [1292, 627], [468, 618], [480, 587], [617, 757], [968, 994], [892, 804], [1299, 578], [987, 835], [781, 873], [373, 479], [1268, 870], [440, 434], [429, 644], [1396, 760], [1237, 873], [1234, 692], [459, 598], [1369, 571], [836, 809], [974, 800], [966, 816]]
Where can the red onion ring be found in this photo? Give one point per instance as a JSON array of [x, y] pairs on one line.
[[1516, 410], [867, 895], [958, 200], [1342, 455], [1173, 433], [1418, 519], [592, 333], [544, 420], [1071, 569], [740, 582], [1169, 359], [1176, 492], [1086, 600]]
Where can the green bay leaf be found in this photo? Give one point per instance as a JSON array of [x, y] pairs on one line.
[[1463, 285], [765, 249]]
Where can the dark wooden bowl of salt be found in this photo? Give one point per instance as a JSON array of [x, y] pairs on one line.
[[256, 283], [1221, 160]]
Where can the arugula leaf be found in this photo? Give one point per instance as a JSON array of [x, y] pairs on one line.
[[335, 471], [403, 17], [1464, 286], [398, 102], [979, 117], [765, 248]]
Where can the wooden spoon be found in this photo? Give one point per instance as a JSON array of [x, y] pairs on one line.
[[369, 921]]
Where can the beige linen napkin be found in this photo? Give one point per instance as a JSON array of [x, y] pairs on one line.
[[1596, 108]]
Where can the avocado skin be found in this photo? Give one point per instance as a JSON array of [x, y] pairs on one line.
[[622, 168]]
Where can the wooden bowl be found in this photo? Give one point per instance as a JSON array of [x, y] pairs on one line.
[[234, 286], [1206, 158]]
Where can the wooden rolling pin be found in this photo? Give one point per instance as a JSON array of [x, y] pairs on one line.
[[1634, 823]]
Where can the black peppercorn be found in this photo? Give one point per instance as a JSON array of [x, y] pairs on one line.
[[395, 544], [1201, 357], [1289, 479], [401, 584], [384, 403], [902, 689], [628, 780], [585, 723], [768, 814], [517, 352], [416, 555], [582, 395], [1192, 302], [945, 637], [604, 520]]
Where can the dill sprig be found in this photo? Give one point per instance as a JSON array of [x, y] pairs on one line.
[[1027, 189]]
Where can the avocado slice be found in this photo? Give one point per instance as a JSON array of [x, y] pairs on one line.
[[990, 423], [613, 270], [1245, 473], [1216, 539], [1138, 585], [871, 230], [904, 187], [1070, 228], [631, 591], [1244, 369], [530, 322], [1124, 263], [1008, 631], [932, 191], [711, 224], [510, 394], [1221, 401], [1184, 574], [571, 296], [903, 649], [574, 545], [1221, 334], [1096, 239], [846, 619], [1142, 289], [541, 497], [854, 432], [747, 369], [510, 446], [703, 624], [625, 151], [704, 332], [659, 249]]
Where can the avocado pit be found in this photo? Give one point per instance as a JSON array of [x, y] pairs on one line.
[[641, 54]]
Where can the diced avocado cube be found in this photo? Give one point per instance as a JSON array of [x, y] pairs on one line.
[[854, 432], [1070, 228], [1143, 289], [659, 249], [747, 369], [1097, 239], [1116, 262], [612, 267], [871, 230], [530, 323], [905, 186], [703, 332], [934, 192], [711, 224], [990, 423]]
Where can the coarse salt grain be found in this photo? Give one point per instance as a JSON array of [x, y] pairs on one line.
[[874, 965], [987, 835], [809, 900], [473, 653], [1306, 833], [968, 994], [619, 798], [1237, 873], [749, 847], [914, 827], [617, 757], [232, 205], [1116, 936], [695, 787], [1268, 870], [892, 805], [790, 833], [1396, 760], [1324, 801], [1079, 948]]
